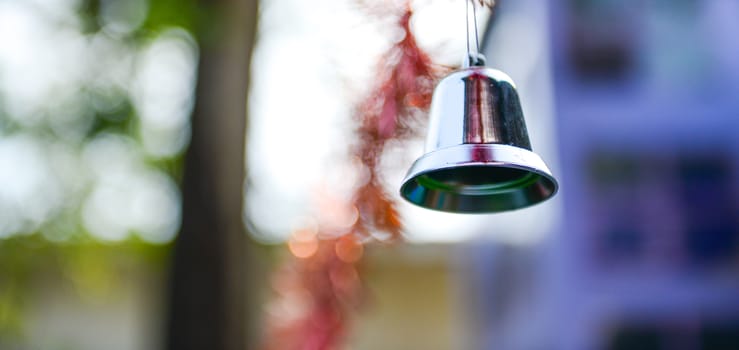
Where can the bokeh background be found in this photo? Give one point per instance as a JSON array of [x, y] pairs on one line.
[[131, 132]]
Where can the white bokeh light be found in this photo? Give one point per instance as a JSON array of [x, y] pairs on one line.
[[127, 195], [39, 61], [59, 81], [29, 194], [163, 91]]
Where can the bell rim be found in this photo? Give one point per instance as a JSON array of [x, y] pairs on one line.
[[490, 72], [481, 155]]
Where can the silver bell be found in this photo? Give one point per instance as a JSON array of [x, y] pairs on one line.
[[478, 155]]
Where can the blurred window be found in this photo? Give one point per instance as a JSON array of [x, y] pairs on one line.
[[614, 170], [709, 209], [689, 200], [602, 39], [637, 338], [666, 336], [615, 219], [720, 337], [621, 241]]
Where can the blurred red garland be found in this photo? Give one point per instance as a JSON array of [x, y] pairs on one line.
[[319, 288]]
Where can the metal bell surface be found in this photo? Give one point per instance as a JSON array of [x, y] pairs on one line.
[[478, 154]]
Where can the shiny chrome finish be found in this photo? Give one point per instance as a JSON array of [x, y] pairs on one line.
[[479, 157]]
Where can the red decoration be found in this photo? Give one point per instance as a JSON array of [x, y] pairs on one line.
[[319, 288]]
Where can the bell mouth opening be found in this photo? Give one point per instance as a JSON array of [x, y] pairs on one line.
[[476, 180], [485, 188]]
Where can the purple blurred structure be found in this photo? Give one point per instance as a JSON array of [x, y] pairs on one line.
[[646, 255]]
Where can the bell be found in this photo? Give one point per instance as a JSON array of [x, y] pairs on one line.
[[478, 155]]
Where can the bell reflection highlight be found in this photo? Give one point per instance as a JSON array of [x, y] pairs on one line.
[[479, 157]]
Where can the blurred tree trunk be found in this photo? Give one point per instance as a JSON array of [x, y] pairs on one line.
[[209, 303]]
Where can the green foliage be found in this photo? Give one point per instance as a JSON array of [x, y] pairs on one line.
[[95, 270], [181, 13], [161, 14]]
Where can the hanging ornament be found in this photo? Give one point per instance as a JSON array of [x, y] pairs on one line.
[[478, 154]]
